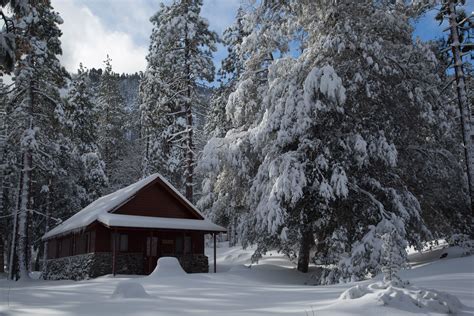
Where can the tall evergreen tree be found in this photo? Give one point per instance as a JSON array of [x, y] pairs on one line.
[[7, 38], [460, 27], [180, 57], [82, 117], [331, 150], [229, 161], [111, 120], [38, 111]]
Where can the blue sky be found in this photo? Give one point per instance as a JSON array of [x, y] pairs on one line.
[[121, 28], [427, 27]]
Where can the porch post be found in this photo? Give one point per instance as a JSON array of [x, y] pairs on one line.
[[215, 265], [114, 234]]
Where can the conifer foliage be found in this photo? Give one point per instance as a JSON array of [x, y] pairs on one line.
[[332, 140], [38, 111], [82, 116], [111, 118], [180, 57]]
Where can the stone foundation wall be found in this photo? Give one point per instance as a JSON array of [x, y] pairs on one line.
[[129, 263], [92, 265], [195, 263]]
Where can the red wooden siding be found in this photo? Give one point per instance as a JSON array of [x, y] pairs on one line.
[[158, 201], [98, 238]]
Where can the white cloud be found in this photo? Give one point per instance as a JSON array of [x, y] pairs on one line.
[[86, 39], [121, 28], [220, 13]]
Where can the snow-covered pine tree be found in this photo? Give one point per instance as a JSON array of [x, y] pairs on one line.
[[394, 256], [434, 170], [334, 120], [3, 179], [228, 161], [7, 37], [127, 170], [232, 66], [111, 121], [81, 119], [37, 110], [460, 25], [217, 123], [180, 57]]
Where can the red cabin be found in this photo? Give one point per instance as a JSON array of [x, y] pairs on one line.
[[127, 231]]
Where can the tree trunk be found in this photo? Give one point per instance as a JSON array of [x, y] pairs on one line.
[[12, 259], [2, 252], [189, 154], [45, 245], [233, 231], [189, 119], [307, 242], [462, 97], [23, 216], [24, 198]]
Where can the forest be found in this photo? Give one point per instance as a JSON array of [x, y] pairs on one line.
[[328, 133]]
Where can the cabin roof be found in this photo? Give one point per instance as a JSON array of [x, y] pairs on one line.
[[119, 220], [109, 203]]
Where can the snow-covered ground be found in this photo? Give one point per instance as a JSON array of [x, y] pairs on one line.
[[272, 287]]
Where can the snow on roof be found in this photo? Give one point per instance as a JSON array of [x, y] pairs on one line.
[[109, 203], [119, 220]]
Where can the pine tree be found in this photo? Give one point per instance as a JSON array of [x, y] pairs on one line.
[[38, 111], [458, 42], [338, 120], [111, 121], [82, 117], [229, 161], [7, 38], [434, 169], [394, 256], [232, 66], [180, 57]]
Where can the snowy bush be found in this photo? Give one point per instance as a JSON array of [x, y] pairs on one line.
[[463, 241], [382, 249], [129, 289], [394, 256], [415, 300]]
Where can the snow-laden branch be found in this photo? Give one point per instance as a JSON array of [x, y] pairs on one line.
[[374, 200]]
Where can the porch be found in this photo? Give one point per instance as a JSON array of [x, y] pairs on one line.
[[105, 250]]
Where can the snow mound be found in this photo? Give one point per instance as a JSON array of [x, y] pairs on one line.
[[405, 297], [130, 290], [167, 267]]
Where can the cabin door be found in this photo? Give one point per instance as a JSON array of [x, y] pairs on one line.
[[152, 253]]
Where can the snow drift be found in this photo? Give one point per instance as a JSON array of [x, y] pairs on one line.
[[129, 289], [403, 297], [167, 267]]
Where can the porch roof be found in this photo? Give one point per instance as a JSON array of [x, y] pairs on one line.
[[134, 221]]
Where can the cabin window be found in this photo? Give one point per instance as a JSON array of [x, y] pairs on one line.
[[81, 245], [123, 242], [91, 244], [167, 247], [187, 244], [64, 247], [52, 249], [179, 245], [85, 242], [152, 246]]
